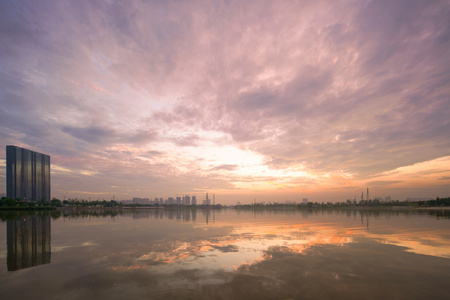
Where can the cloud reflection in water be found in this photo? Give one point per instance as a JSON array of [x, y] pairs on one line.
[[244, 255]]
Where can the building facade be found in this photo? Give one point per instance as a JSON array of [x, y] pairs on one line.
[[27, 174], [186, 200]]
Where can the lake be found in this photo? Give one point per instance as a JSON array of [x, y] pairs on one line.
[[225, 254]]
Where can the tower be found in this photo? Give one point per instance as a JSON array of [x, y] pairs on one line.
[[27, 174]]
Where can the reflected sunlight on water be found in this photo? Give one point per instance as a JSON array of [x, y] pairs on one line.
[[229, 254]]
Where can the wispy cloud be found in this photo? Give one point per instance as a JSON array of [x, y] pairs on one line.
[[172, 93]]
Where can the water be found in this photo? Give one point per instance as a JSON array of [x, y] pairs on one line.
[[225, 254]]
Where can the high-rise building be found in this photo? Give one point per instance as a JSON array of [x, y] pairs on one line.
[[170, 201], [141, 200], [27, 174]]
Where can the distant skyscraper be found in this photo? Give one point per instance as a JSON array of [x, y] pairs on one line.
[[27, 174], [141, 200]]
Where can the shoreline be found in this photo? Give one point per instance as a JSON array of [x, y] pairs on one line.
[[28, 208], [245, 207]]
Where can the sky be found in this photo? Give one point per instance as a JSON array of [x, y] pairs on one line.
[[265, 101]]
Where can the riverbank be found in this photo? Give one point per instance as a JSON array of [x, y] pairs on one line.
[[28, 208]]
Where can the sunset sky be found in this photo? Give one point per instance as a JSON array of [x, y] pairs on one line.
[[266, 100]]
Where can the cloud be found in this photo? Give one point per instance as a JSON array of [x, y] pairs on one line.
[[383, 182], [225, 167], [189, 140], [92, 134], [359, 87], [154, 153], [226, 249]]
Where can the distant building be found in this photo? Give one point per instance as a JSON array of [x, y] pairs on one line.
[[305, 201], [387, 199], [187, 200], [27, 174], [207, 201], [178, 200], [194, 200], [141, 200]]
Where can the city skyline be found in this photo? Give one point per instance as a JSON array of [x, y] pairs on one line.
[[277, 101]]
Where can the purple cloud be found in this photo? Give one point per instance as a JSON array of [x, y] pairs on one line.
[[159, 88]]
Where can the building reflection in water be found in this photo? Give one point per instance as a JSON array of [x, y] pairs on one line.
[[28, 242], [184, 214]]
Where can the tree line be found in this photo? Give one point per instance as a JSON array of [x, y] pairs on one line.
[[22, 204], [438, 202]]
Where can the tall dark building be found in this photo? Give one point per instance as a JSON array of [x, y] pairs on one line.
[[27, 174]]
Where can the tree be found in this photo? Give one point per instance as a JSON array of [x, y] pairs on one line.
[[8, 202], [55, 202]]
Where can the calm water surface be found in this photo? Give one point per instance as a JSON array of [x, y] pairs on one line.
[[225, 254]]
